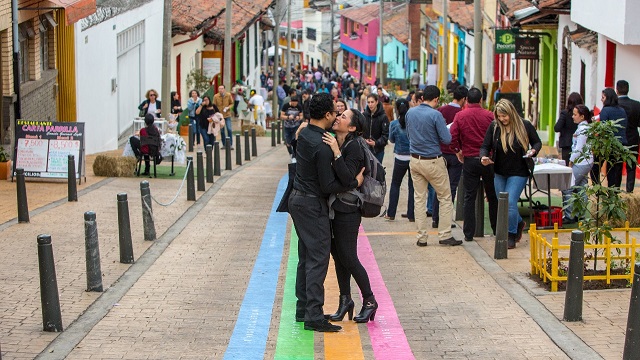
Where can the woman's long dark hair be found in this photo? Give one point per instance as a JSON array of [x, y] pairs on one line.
[[610, 97], [402, 105], [573, 100], [357, 120]]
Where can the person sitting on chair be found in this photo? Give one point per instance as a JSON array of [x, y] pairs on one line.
[[152, 131]]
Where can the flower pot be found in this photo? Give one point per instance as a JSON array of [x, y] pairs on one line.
[[184, 130], [5, 170]]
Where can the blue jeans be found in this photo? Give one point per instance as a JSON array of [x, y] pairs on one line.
[[431, 197], [195, 131], [228, 131], [400, 168], [514, 186], [207, 139], [379, 155]]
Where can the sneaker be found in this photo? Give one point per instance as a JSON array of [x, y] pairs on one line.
[[450, 241], [511, 241], [419, 243], [389, 218], [321, 326], [412, 220], [404, 215], [468, 239], [521, 226]]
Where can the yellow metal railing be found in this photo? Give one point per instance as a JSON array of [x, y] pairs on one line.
[[542, 251]]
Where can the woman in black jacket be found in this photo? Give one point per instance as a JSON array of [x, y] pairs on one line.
[[151, 105], [509, 143], [566, 127], [204, 114], [349, 162], [375, 129]]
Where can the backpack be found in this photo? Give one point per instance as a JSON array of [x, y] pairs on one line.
[[374, 187]]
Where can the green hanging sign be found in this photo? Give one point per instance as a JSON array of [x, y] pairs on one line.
[[505, 41]]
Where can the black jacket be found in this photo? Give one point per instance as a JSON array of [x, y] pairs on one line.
[[566, 127], [519, 166], [305, 109], [376, 127], [632, 108], [143, 110]]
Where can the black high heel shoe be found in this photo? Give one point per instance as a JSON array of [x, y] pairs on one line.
[[368, 312], [346, 306]]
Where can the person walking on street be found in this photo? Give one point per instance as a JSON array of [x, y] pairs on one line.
[[346, 218], [415, 80], [467, 134], [632, 108], [292, 116], [223, 101], [313, 183], [376, 126], [427, 129], [611, 111], [454, 166], [402, 155], [566, 127], [509, 144], [193, 103]]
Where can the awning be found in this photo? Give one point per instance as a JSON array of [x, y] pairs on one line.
[[75, 10]]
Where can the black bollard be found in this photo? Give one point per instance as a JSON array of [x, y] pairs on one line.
[[502, 227], [460, 200], [200, 171], [216, 159], [227, 155], [573, 295], [479, 231], [147, 211], [247, 150], [632, 338], [49, 299], [92, 252], [278, 134], [21, 187], [72, 189], [191, 188], [191, 137], [254, 143], [124, 230], [273, 133], [238, 150], [209, 167]]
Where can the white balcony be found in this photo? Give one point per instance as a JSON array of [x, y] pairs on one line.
[[615, 19]]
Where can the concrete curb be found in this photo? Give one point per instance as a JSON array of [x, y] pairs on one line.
[[64, 343]]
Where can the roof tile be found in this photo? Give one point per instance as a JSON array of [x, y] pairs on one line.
[[189, 15]]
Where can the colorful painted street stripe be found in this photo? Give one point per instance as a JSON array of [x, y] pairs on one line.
[[294, 343], [388, 339], [249, 337]]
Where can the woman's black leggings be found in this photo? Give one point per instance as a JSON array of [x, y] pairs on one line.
[[344, 248]]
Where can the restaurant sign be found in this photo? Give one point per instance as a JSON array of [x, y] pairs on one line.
[[505, 41], [528, 48]]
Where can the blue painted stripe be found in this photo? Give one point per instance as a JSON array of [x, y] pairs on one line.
[[249, 338], [358, 53]]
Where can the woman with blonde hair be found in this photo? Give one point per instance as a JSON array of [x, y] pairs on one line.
[[151, 104], [363, 98], [509, 144]]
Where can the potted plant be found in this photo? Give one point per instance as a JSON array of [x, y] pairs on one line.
[[184, 123], [5, 164]]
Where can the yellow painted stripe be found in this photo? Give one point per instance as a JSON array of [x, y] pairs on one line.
[[345, 344]]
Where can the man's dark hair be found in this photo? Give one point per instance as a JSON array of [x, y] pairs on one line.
[[294, 98], [474, 96], [293, 92], [610, 97], [319, 105], [309, 92], [622, 86], [419, 95], [373, 96], [460, 93], [430, 92]]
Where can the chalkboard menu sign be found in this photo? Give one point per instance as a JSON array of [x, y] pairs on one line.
[[43, 147]]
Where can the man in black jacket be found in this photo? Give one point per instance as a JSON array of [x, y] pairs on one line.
[[376, 126], [312, 185], [632, 108]]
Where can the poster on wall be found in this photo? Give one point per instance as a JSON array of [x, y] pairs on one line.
[[42, 148], [211, 67]]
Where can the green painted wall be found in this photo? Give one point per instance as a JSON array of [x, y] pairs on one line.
[[548, 82]]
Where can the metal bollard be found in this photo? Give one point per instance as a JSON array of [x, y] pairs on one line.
[[479, 231], [23, 206], [247, 150], [632, 338], [573, 295], [92, 252], [192, 136], [238, 150], [460, 200], [209, 167], [191, 189], [273, 133], [502, 227], [147, 211], [49, 299], [124, 230], [227, 155], [279, 133], [216, 159], [254, 143], [200, 173], [72, 189]]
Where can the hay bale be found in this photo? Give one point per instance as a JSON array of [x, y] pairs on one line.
[[114, 166], [259, 129], [633, 208]]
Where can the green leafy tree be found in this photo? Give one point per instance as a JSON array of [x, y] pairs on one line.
[[197, 80], [600, 206]]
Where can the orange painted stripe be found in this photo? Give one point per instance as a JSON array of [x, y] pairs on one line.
[[345, 344]]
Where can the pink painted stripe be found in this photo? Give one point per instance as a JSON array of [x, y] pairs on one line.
[[387, 335]]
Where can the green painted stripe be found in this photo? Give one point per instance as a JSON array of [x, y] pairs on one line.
[[293, 341]]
